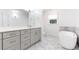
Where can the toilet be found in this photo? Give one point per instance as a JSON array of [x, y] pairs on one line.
[[67, 39]]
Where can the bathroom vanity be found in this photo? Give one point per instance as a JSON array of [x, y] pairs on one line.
[[0, 41], [19, 38], [11, 40], [25, 38], [35, 35]]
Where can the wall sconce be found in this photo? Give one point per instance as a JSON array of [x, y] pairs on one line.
[[15, 13]]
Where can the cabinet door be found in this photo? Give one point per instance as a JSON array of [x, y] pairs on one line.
[[10, 34], [33, 39], [25, 44], [0, 41], [14, 47], [25, 32], [10, 42], [25, 39], [0, 44], [0, 35], [38, 34], [35, 35]]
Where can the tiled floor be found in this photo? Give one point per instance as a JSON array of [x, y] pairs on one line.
[[47, 43]]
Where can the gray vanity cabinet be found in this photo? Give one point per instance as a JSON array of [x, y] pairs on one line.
[[11, 40], [19, 39], [35, 35], [25, 39], [0, 41]]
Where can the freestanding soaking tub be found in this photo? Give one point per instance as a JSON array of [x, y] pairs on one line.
[[67, 39]]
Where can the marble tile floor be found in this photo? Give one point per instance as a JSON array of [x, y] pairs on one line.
[[47, 43]]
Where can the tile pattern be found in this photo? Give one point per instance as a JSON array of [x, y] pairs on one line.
[[47, 43]]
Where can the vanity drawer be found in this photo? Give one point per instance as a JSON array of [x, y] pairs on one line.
[[25, 37], [0, 36], [14, 47], [36, 32], [11, 41], [25, 44], [35, 35], [27, 31], [34, 40], [11, 34]]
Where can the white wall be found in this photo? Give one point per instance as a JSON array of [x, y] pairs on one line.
[[1, 22], [68, 17], [35, 17], [77, 21], [50, 29], [7, 18], [18, 20]]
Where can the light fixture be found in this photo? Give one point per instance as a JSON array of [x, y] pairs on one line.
[[15, 13]]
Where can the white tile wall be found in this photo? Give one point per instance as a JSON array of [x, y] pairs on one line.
[[1, 22], [7, 18]]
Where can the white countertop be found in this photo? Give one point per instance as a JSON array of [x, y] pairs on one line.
[[5, 29], [35, 27]]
